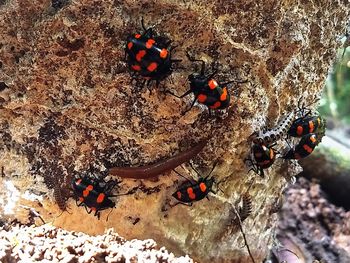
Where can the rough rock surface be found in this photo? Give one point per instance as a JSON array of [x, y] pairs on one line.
[[320, 231], [67, 108], [50, 244]]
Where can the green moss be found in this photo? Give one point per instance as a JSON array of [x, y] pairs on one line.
[[334, 155], [335, 101]]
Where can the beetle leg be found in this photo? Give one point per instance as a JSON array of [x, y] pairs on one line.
[[194, 169], [180, 97], [125, 54], [167, 44], [97, 213], [234, 81], [81, 204], [194, 101], [212, 169], [213, 74], [181, 203], [190, 58], [109, 186], [157, 84], [143, 24], [148, 31], [261, 173]]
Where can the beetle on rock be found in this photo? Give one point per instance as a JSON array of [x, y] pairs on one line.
[[94, 194], [304, 148], [149, 55], [194, 190], [207, 90], [305, 125], [263, 156]]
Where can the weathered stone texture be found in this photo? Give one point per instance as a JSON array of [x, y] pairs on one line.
[[49, 244], [68, 108]]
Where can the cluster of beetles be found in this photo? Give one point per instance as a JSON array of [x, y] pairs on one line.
[[149, 58]]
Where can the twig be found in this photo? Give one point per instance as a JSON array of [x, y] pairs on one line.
[[241, 228], [288, 250]]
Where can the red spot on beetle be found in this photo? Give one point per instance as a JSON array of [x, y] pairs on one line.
[[223, 96], [313, 139], [163, 53], [150, 43], [179, 195], [311, 126], [100, 198], [152, 67], [216, 105], [202, 98], [140, 55], [130, 44], [191, 194], [86, 193], [300, 130], [136, 67], [307, 148], [203, 187], [212, 84]]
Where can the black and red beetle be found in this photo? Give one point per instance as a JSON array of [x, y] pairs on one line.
[[306, 121], [207, 90], [194, 190], [149, 55], [93, 194], [304, 148], [305, 125], [262, 157]]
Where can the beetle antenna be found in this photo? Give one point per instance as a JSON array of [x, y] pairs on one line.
[[143, 24], [184, 112], [182, 175], [192, 59], [199, 175], [212, 169]]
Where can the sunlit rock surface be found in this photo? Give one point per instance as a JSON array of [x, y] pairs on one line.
[[50, 244], [68, 108]]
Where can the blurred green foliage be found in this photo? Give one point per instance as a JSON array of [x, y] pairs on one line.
[[336, 98]]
